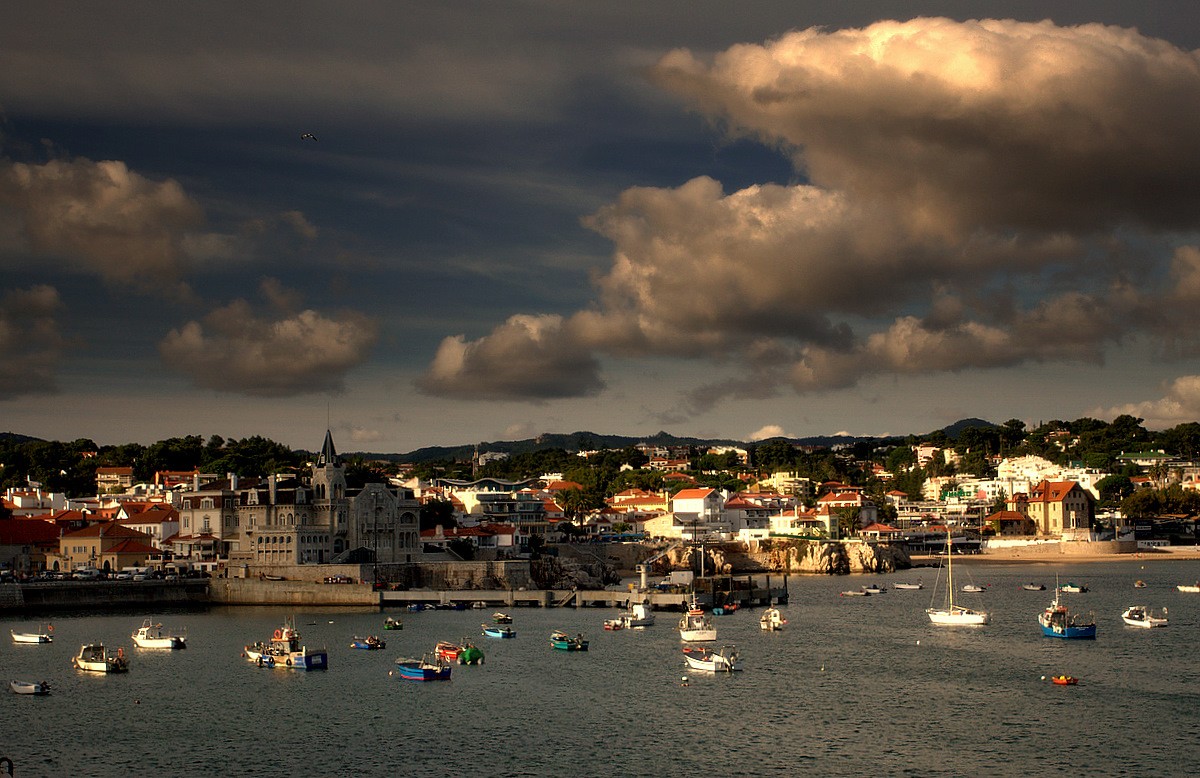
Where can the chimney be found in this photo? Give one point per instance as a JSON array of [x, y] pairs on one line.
[[196, 480], [232, 481], [271, 486]]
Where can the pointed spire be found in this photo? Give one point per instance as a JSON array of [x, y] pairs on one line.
[[328, 453]]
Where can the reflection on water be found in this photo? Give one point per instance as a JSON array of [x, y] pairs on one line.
[[852, 686]]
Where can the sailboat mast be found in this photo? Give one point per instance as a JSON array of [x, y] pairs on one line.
[[949, 571]]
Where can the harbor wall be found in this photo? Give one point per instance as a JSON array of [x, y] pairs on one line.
[[66, 595], [1057, 548], [252, 591]]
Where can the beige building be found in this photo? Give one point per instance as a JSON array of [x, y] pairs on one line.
[[1057, 508], [104, 546]]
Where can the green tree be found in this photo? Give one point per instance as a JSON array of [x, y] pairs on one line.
[[434, 513]]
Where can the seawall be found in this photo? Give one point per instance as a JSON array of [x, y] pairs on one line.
[[252, 591], [68, 595]]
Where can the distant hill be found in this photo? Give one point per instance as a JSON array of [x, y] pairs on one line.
[[13, 437], [588, 441]]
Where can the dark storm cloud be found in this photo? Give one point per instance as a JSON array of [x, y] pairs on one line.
[[31, 346]]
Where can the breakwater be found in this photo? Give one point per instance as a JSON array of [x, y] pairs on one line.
[[99, 595]]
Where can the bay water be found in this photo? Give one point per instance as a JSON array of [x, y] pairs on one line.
[[852, 686]]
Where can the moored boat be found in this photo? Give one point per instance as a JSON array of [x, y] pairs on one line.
[[564, 642], [856, 593], [94, 657], [874, 589], [285, 651], [1058, 622], [716, 660], [1064, 680], [695, 626], [953, 614], [501, 618], [1189, 588], [1071, 587], [972, 588], [1032, 587], [906, 585], [447, 650], [369, 643], [497, 631], [1142, 616], [638, 615], [470, 654], [45, 636], [429, 667], [390, 623], [39, 688], [1139, 584], [152, 635], [771, 620], [614, 624]]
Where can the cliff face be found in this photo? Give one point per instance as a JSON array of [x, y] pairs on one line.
[[808, 556]]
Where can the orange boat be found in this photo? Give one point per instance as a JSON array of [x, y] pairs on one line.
[[1065, 680]]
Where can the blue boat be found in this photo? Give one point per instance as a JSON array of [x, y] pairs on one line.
[[564, 642], [496, 631], [430, 667], [1058, 622], [286, 651], [369, 643]]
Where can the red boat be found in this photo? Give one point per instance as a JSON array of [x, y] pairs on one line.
[[1065, 680], [447, 650]]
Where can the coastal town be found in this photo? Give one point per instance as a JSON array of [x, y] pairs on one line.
[[310, 525]]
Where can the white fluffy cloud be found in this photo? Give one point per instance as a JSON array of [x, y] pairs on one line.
[[268, 353], [1180, 404], [101, 217], [979, 194], [31, 346], [769, 431]]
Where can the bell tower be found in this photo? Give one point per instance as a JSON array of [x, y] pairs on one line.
[[331, 506]]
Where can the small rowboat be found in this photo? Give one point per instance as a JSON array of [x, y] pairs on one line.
[[501, 618], [902, 585], [369, 643], [1065, 680], [614, 624], [856, 593], [430, 667], [390, 623], [496, 631], [33, 637], [564, 642], [28, 687], [1032, 587], [1189, 588]]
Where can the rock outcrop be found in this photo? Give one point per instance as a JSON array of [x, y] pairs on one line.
[[830, 558]]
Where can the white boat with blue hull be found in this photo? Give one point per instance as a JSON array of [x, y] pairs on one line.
[[284, 651]]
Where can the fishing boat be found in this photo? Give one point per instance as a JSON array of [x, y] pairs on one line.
[[638, 615], [95, 658], [904, 585], [447, 650], [429, 667], [714, 660], [1032, 587], [771, 620], [498, 631], [390, 623], [470, 654], [152, 635], [29, 687], [875, 589], [501, 618], [369, 643], [564, 642], [1139, 584], [613, 625], [1058, 622], [285, 650], [1189, 588], [856, 593], [45, 636], [695, 626], [952, 614], [1064, 680], [1141, 616], [1071, 587]]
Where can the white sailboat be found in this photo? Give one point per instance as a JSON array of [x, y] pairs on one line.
[[954, 615]]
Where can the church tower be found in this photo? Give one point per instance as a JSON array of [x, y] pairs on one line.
[[331, 506]]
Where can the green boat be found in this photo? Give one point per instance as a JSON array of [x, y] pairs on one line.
[[390, 623], [470, 655], [564, 642]]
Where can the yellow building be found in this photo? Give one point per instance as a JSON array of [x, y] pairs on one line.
[[105, 546]]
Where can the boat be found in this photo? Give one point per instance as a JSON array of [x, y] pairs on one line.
[[1139, 584], [45, 636], [1058, 622], [390, 623], [152, 635], [98, 659], [1032, 587], [417, 607], [498, 631], [972, 588], [903, 585], [875, 589], [470, 654], [1064, 680], [856, 593], [638, 615], [1072, 588], [613, 625], [564, 642], [369, 643], [715, 660], [1141, 616], [285, 650], [771, 620], [429, 667], [447, 650], [29, 687], [501, 618], [728, 609], [1190, 588], [952, 615], [695, 626]]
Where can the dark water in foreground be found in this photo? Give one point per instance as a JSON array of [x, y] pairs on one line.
[[853, 686]]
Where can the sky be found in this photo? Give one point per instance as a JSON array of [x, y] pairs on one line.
[[422, 224]]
